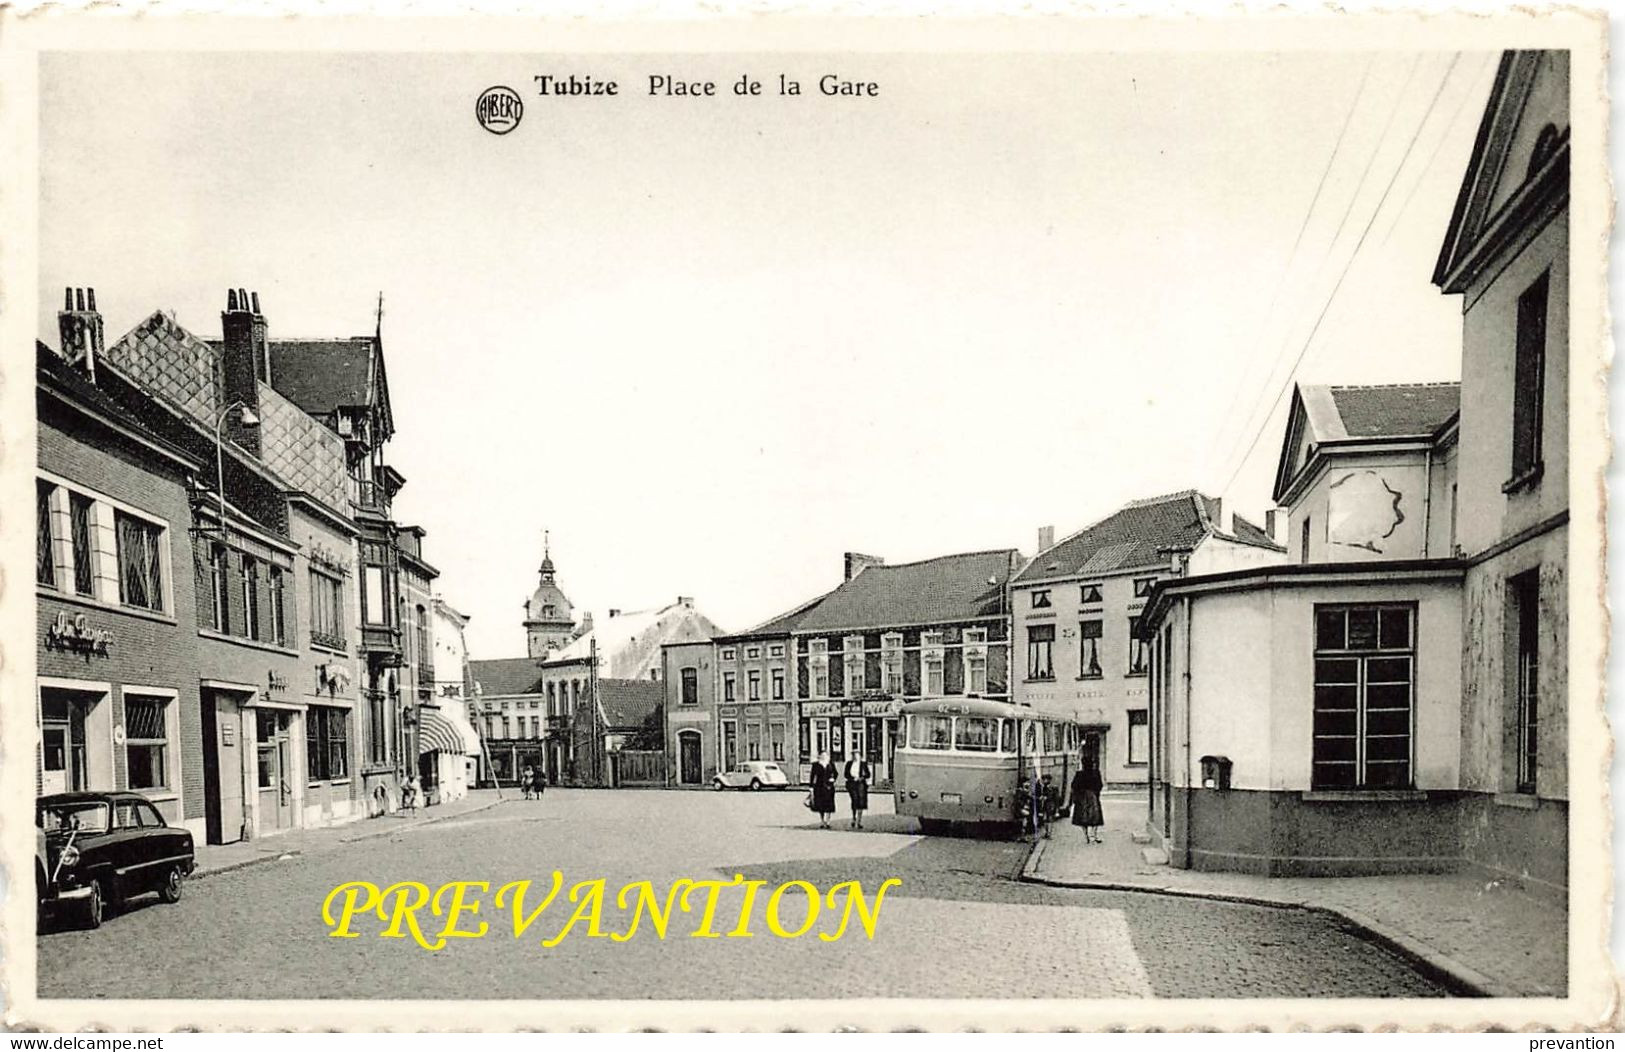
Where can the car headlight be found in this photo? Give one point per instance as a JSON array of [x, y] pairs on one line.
[[70, 856]]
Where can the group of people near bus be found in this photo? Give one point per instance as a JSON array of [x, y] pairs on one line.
[[1037, 802], [821, 793]]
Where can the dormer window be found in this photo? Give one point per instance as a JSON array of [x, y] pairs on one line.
[[1041, 600], [1090, 593]]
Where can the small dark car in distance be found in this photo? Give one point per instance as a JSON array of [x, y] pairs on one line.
[[101, 849]]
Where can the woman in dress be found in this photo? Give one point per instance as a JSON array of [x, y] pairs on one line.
[[538, 781], [822, 777], [857, 789], [526, 777], [1086, 786]]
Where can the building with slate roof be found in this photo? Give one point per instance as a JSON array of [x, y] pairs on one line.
[[1394, 697], [321, 417], [1076, 605], [886, 635]]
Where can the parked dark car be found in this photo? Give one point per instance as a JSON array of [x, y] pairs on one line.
[[102, 849]]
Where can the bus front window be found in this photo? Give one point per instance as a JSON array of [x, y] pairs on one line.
[[976, 734], [929, 732]]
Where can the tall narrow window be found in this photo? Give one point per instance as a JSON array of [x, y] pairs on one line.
[[1139, 736], [753, 685], [1364, 681], [219, 585], [891, 663], [279, 608], [44, 541], [728, 687], [1529, 381], [690, 687], [1303, 541], [1089, 638], [251, 596], [818, 667], [931, 657], [1139, 657], [975, 652], [1040, 651], [140, 559], [1525, 592], [852, 665], [84, 582]]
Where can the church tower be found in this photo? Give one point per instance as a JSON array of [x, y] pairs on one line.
[[549, 619]]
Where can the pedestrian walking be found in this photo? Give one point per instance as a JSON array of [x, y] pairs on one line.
[[527, 779], [857, 789], [1086, 786], [1049, 800], [822, 777], [409, 795], [538, 783]]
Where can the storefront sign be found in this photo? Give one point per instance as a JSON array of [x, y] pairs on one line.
[[276, 684], [821, 708], [882, 708], [228, 734], [75, 635]]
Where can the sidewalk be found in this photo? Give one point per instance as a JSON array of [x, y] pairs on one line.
[[214, 859], [1485, 935]]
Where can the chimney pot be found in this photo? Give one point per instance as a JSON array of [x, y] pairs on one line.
[[67, 298], [255, 296], [91, 293], [79, 297], [1046, 538], [242, 300], [231, 299]]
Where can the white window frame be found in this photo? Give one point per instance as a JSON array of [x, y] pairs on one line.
[[172, 738], [104, 582], [852, 661], [975, 657], [818, 668], [932, 653], [891, 663]]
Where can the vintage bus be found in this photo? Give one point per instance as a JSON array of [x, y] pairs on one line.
[[959, 761]]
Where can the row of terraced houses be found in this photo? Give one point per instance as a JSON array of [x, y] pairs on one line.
[[230, 619]]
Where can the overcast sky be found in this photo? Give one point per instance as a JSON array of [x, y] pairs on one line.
[[713, 343]]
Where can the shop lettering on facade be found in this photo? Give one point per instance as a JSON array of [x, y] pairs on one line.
[[74, 634], [276, 684]]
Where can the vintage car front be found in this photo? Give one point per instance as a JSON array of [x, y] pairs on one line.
[[68, 827]]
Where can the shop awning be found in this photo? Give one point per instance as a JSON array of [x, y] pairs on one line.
[[441, 731]]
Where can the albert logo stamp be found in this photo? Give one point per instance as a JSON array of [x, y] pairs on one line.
[[499, 109]]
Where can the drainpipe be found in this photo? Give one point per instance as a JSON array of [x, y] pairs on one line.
[[1185, 673], [1427, 500]]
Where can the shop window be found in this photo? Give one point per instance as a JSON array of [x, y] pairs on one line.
[[1364, 687], [777, 733], [327, 743], [146, 742]]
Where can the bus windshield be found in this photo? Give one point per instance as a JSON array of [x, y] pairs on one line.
[[929, 732], [976, 734]]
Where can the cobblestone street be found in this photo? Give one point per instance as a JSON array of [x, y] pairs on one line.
[[958, 926]]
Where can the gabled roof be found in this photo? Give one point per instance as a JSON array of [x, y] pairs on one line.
[[1492, 204], [501, 677], [1376, 413], [135, 419], [948, 588], [628, 644], [627, 703], [1140, 533], [780, 625], [321, 376]]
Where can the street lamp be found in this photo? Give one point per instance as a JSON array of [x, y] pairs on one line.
[[248, 418]]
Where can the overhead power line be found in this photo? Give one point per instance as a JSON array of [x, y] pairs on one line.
[[1347, 267]]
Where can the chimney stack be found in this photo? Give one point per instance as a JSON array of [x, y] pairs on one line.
[[245, 361], [857, 562], [614, 611], [1046, 538], [79, 326]]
